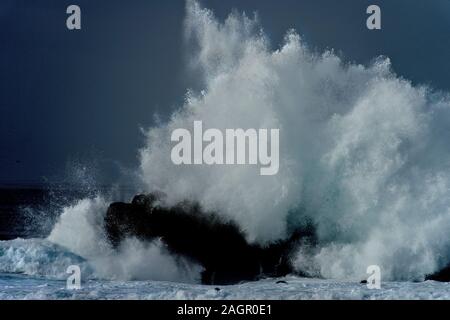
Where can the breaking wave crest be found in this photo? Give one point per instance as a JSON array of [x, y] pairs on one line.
[[363, 153], [78, 239]]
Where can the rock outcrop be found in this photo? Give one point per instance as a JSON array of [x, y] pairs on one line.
[[219, 246]]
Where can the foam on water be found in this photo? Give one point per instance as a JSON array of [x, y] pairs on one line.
[[39, 258], [78, 239], [17, 287]]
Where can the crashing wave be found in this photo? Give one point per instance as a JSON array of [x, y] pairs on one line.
[[364, 158]]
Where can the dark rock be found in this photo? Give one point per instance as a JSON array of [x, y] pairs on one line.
[[219, 246], [442, 275], [281, 282]]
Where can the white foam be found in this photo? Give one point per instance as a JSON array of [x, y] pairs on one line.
[[80, 230], [38, 257], [363, 152]]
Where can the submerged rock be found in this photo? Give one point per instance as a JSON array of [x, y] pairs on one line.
[[281, 282], [442, 275], [219, 246]]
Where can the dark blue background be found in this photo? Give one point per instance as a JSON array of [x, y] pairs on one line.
[[81, 97]]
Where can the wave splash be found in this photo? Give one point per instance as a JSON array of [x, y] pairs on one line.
[[78, 239], [363, 157], [363, 152], [81, 230]]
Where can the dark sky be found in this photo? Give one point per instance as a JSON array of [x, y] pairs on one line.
[[82, 96]]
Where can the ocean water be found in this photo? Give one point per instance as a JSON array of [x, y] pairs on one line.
[[19, 286], [36, 269], [365, 159]]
